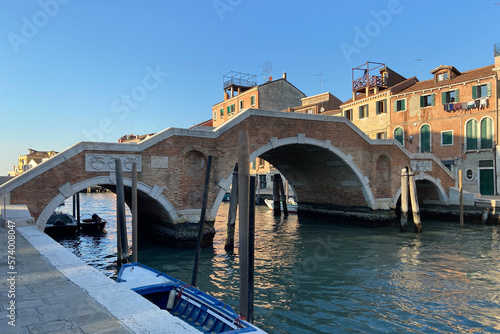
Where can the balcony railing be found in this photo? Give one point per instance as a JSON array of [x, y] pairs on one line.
[[369, 81]]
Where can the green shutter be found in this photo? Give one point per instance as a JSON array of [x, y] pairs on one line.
[[403, 106], [360, 112], [421, 101], [395, 106], [474, 92], [443, 98], [367, 111], [385, 105], [489, 89], [398, 135], [377, 107], [457, 95], [486, 133], [425, 139], [471, 134], [433, 99]]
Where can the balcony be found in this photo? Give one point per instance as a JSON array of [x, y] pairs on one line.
[[370, 82]]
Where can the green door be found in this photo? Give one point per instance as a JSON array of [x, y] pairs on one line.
[[486, 183]]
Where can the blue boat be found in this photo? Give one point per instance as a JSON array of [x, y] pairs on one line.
[[200, 310]]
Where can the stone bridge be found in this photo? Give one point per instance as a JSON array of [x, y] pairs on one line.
[[328, 161]]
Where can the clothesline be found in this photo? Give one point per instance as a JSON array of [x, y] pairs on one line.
[[479, 104]]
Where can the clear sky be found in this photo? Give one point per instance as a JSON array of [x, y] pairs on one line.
[[88, 70]]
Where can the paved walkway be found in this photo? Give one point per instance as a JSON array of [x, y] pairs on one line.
[[55, 292], [45, 300]]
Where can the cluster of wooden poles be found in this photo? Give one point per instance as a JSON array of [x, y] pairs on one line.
[[242, 195], [123, 255]]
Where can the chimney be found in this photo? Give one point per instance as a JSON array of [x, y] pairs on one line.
[[284, 75]]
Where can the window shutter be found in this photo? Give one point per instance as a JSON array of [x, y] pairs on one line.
[[471, 134], [443, 98], [385, 105], [457, 95], [433, 99], [489, 89], [377, 107], [421, 101], [425, 136], [360, 112], [474, 92], [403, 106], [395, 106], [367, 111]]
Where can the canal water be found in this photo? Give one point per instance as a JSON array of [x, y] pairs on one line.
[[313, 276]]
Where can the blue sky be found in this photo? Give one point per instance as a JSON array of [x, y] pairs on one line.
[[74, 70]]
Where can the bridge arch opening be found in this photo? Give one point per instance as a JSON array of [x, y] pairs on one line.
[[429, 192], [319, 172], [152, 206]]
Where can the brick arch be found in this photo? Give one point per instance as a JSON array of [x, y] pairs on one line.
[[302, 139], [69, 190]]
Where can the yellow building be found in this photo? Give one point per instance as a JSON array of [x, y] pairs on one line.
[[30, 160]]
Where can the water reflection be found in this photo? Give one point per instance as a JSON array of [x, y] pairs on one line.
[[317, 277]]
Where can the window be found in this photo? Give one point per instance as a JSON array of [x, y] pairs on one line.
[[480, 91], [451, 96], [400, 105], [230, 109], [469, 174], [252, 100], [222, 113], [471, 135], [309, 111], [446, 138], [425, 138], [348, 114], [254, 163], [363, 111], [442, 76], [399, 135], [241, 105], [427, 100], [381, 107], [381, 135], [486, 133]]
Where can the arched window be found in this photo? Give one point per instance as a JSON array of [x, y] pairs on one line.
[[425, 138], [399, 135], [486, 133], [471, 134]]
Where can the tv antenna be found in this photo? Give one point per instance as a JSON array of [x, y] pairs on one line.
[[321, 79], [421, 68], [267, 70]]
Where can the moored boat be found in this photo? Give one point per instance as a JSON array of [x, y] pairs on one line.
[[292, 207], [200, 310], [92, 224], [61, 225]]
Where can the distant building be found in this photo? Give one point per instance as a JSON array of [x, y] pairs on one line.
[[242, 92], [318, 104], [31, 160], [205, 124], [373, 84], [134, 138]]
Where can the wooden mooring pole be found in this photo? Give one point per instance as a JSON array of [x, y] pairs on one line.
[[283, 196], [404, 200], [414, 203], [233, 207], [202, 222], [461, 197], [251, 248], [134, 213], [121, 222], [243, 200], [78, 210], [276, 196]]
